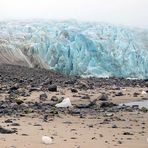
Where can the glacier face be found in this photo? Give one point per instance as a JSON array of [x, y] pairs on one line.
[[85, 49]]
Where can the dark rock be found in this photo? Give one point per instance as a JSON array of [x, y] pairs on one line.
[[67, 122], [90, 126], [73, 90], [8, 121], [88, 105], [47, 82], [15, 124], [146, 84], [75, 111], [36, 124], [114, 126], [14, 87], [144, 98], [43, 97], [100, 135], [7, 131], [127, 133], [34, 89], [45, 118], [73, 138], [82, 116], [18, 101], [25, 135], [52, 88], [70, 82], [85, 97], [93, 138], [119, 142], [106, 121], [119, 94], [103, 97], [136, 94], [54, 98], [107, 104], [135, 106]]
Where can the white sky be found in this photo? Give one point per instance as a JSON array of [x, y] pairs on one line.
[[126, 12]]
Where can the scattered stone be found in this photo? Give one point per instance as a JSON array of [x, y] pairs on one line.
[[54, 99], [135, 107], [127, 133], [136, 94], [70, 82], [100, 135], [19, 102], [94, 138], [37, 124], [119, 142], [73, 90], [82, 115], [75, 111], [114, 126], [8, 121], [88, 105], [73, 138], [119, 94], [25, 135], [85, 97], [90, 126], [14, 87], [34, 89], [107, 104], [43, 97], [45, 118], [7, 131], [67, 122], [52, 88], [103, 97], [15, 124]]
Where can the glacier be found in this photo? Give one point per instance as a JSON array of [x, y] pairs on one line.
[[76, 48]]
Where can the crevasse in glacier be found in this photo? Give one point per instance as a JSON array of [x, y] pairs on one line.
[[85, 49]]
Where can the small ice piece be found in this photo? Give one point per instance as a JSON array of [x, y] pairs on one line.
[[143, 92], [46, 140], [65, 103]]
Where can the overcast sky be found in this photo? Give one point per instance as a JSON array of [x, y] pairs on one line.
[[126, 12]]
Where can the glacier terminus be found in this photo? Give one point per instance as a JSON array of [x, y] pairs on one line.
[[76, 48]]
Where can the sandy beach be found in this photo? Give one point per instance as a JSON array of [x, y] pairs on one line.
[[82, 126]]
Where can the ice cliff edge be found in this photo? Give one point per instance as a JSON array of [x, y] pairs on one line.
[[85, 49]]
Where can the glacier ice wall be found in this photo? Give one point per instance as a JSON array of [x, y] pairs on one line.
[[86, 49]]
